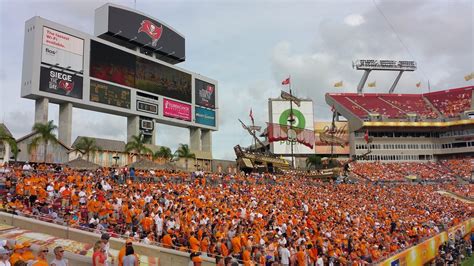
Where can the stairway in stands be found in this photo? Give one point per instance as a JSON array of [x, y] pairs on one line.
[[433, 107], [460, 179]]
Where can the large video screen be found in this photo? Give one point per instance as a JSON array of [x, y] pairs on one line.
[[205, 94], [112, 64], [123, 68], [163, 80]]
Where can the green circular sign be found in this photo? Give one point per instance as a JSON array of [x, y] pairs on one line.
[[300, 121]]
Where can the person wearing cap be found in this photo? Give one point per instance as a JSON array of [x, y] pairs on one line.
[[4, 257], [105, 239], [27, 253], [41, 259], [123, 250], [17, 254]]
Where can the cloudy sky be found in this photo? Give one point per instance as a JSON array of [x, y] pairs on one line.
[[251, 46]]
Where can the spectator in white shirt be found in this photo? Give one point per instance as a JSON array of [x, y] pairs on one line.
[[285, 255]]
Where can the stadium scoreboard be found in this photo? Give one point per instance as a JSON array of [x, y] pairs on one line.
[[392, 65], [126, 69]]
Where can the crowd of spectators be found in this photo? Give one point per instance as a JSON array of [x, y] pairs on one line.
[[452, 103], [455, 250], [257, 218], [399, 171], [412, 104], [21, 254], [460, 167]]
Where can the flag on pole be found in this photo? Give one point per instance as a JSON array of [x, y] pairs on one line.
[[372, 84], [339, 84], [469, 77], [286, 81], [366, 136], [418, 84], [251, 116]]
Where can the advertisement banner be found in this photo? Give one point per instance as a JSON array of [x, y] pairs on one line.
[[177, 110], [59, 82], [303, 120], [52, 56], [109, 94], [62, 50], [338, 138], [428, 249], [63, 41], [205, 116], [205, 94], [145, 31]]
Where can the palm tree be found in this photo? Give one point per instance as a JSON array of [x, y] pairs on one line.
[[313, 160], [86, 146], [184, 152], [7, 138], [45, 134], [163, 152], [137, 145]]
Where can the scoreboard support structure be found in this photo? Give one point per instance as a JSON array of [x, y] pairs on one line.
[[200, 140], [65, 123], [41, 110]]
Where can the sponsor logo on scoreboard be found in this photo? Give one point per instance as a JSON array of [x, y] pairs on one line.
[[205, 116], [61, 83], [177, 110], [63, 41], [62, 50]]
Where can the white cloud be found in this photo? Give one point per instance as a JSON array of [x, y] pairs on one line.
[[354, 20]]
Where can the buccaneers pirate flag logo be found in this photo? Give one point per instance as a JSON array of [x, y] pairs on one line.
[[151, 30], [66, 86]]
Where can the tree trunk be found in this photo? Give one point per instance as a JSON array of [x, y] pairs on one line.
[[88, 156], [186, 162]]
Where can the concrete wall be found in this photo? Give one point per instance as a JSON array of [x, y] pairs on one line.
[[166, 256]]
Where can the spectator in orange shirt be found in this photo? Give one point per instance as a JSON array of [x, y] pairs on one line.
[[194, 244], [41, 259], [27, 253]]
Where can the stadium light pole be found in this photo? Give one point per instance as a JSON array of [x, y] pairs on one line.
[[382, 65]]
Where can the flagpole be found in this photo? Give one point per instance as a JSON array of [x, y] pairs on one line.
[[253, 130], [291, 125]]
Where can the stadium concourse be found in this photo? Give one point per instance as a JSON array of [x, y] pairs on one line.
[[256, 219]]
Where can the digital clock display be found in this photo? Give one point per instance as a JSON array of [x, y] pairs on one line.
[[147, 107]]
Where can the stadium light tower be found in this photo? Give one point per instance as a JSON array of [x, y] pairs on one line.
[[383, 65]]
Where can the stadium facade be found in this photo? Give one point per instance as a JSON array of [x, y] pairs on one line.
[[408, 127]]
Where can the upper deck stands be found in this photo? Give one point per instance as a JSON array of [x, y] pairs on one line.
[[450, 103]]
